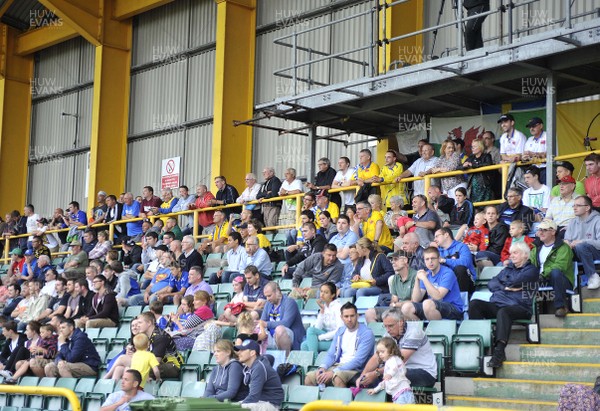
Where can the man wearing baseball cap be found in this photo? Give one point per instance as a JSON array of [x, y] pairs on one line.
[[512, 141], [263, 382], [554, 258], [563, 169], [535, 146], [77, 262], [560, 209]]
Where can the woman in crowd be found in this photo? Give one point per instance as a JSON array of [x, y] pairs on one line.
[[255, 229], [225, 382], [512, 292], [329, 319], [122, 361], [371, 272], [328, 228], [394, 213], [480, 184], [376, 203], [32, 331], [449, 160], [461, 216], [194, 325], [497, 238]]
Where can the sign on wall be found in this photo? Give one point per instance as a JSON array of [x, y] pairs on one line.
[[170, 172]]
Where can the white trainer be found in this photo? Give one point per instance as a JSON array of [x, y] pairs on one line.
[[593, 282]]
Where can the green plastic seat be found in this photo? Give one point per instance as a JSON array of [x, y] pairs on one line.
[[337, 394], [170, 389], [37, 401], [378, 329], [300, 396], [440, 333], [20, 400], [58, 403], [469, 345], [194, 389], [193, 367]]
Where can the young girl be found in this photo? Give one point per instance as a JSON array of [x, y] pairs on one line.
[[247, 330], [477, 237], [517, 234], [228, 317], [194, 326], [187, 305], [394, 381]]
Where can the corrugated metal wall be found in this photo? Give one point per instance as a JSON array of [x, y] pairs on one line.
[[290, 150], [172, 85], [62, 84]]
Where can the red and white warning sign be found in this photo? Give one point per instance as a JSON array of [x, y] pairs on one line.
[[169, 172]]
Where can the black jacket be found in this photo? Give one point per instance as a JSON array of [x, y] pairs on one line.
[[9, 358], [133, 257], [498, 236], [270, 189], [381, 269], [310, 247]]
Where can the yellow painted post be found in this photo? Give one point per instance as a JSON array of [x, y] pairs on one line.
[[427, 185], [195, 229], [234, 90], [16, 73]]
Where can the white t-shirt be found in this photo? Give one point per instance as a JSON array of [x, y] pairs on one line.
[[348, 346], [539, 198], [536, 146], [515, 144], [342, 177], [287, 186], [32, 225], [544, 251], [417, 167], [365, 271]]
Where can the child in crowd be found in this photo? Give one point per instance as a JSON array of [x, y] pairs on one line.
[[186, 308], [156, 308], [144, 360], [477, 237], [517, 234], [248, 330], [394, 381], [236, 305]]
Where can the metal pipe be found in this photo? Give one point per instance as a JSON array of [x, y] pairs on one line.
[[551, 145], [510, 22], [384, 40], [312, 151], [295, 63], [567, 4], [459, 38], [318, 60], [322, 53]]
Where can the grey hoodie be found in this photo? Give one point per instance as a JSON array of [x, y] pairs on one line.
[[225, 382], [586, 230]]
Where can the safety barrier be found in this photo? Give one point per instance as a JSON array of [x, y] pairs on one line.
[[503, 168], [51, 391], [372, 406]]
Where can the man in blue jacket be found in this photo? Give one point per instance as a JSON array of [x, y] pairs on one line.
[[264, 385], [350, 350], [77, 356], [282, 320], [458, 257]]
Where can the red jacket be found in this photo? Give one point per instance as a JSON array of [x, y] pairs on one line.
[[505, 250], [206, 218]]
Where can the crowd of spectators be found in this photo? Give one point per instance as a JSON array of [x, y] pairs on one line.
[[348, 244]]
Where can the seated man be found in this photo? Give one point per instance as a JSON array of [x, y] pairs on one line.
[[235, 255], [254, 296], [130, 392], [264, 386], [257, 257], [312, 243], [282, 320], [456, 256], [372, 226], [77, 356], [425, 221], [104, 311], [218, 240], [161, 345], [14, 298], [352, 347], [320, 267], [554, 259], [421, 365], [440, 284], [37, 304], [75, 264], [14, 349], [401, 285]]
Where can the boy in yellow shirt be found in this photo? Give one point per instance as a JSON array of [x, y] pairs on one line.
[[144, 360]]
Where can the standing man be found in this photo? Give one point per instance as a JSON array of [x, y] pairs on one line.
[[226, 194], [418, 168], [149, 201], [389, 174], [343, 178], [324, 180], [592, 181], [269, 189], [583, 236], [249, 194], [535, 146], [131, 209], [473, 34], [114, 211], [185, 199], [512, 141], [203, 199]]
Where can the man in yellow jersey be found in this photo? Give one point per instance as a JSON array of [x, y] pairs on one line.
[[366, 171], [390, 173], [372, 226]]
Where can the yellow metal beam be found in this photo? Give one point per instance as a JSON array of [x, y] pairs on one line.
[[401, 19], [234, 89], [125, 9], [82, 15], [110, 108], [15, 117], [43, 37]]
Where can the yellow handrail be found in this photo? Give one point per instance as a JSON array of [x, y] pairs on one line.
[[375, 406], [54, 391]]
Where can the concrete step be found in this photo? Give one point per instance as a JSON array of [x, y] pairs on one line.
[[553, 371], [591, 305], [558, 353], [575, 336], [504, 404], [585, 320], [519, 389]]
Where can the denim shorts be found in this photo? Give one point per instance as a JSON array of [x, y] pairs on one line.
[[447, 310]]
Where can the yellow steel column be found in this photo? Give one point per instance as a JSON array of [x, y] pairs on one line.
[[16, 73], [110, 108], [234, 89], [394, 21]]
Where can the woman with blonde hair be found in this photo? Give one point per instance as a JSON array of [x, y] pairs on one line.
[[480, 184], [225, 382], [449, 160], [372, 271]]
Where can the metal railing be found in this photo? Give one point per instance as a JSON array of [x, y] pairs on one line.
[[502, 168], [51, 391], [299, 43]]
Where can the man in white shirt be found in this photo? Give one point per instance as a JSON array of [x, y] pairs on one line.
[[419, 167], [535, 147], [343, 179], [512, 141], [130, 392], [31, 224], [291, 185], [537, 196]]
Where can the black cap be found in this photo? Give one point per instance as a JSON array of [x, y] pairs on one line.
[[505, 117], [534, 121], [566, 164]]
